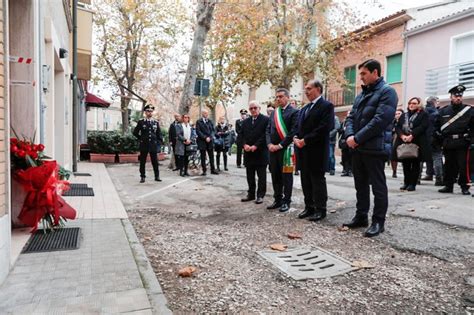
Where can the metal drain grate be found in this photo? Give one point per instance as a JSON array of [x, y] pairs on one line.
[[82, 174], [302, 263], [62, 239], [78, 185], [79, 192]]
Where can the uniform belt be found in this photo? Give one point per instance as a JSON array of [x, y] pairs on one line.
[[459, 136]]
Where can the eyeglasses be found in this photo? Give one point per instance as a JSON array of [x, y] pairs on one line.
[[252, 108], [149, 111]]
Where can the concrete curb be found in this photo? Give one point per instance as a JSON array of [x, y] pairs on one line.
[[150, 282]]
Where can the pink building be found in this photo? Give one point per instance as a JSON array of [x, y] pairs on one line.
[[439, 51]]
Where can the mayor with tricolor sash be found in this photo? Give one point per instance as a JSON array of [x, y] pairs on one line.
[[280, 132]]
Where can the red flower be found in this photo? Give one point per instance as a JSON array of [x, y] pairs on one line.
[[13, 141], [40, 147], [14, 149], [21, 153], [33, 155]]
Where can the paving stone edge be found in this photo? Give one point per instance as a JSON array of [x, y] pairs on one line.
[[150, 282]]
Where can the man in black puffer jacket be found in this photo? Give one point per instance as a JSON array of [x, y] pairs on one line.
[[369, 134]]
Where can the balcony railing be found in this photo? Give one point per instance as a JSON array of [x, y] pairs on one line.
[[438, 81], [343, 97]]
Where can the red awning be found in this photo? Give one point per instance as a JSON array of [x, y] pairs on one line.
[[95, 101]]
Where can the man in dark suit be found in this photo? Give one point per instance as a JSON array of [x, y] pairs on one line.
[[369, 134], [255, 152], [279, 136], [238, 130], [205, 140], [315, 121], [149, 133], [172, 138]]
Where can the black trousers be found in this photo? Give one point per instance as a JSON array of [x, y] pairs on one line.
[[240, 151], [154, 162], [369, 170], [175, 156], [210, 152], [183, 163], [455, 162], [314, 187], [218, 158], [282, 182], [261, 172], [411, 171], [346, 160]]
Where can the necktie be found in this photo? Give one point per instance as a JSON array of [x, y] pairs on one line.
[[253, 121], [308, 109]]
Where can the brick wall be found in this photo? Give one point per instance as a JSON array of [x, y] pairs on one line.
[[3, 143], [378, 47]]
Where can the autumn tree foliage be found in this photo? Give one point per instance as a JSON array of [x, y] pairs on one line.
[[133, 37], [274, 41]]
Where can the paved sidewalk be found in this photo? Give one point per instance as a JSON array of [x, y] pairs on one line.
[[109, 273]]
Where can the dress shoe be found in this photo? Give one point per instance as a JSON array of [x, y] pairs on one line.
[[186, 174], [317, 216], [374, 230], [465, 191], [357, 222], [238, 166], [175, 169], [203, 174], [284, 207], [259, 200], [446, 189], [274, 205], [332, 173], [403, 187], [306, 213], [142, 180], [427, 177], [226, 169], [411, 188], [394, 175], [344, 174], [439, 181], [214, 173], [248, 198], [157, 179]]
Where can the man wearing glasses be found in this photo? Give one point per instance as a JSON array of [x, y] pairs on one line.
[[255, 152], [148, 132]]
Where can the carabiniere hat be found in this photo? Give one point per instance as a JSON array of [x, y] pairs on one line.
[[457, 90], [243, 111], [149, 106]]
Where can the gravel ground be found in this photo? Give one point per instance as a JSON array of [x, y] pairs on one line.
[[209, 228]]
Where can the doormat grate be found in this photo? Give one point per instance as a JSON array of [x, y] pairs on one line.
[[79, 192], [62, 239], [303, 263], [78, 186], [82, 174]]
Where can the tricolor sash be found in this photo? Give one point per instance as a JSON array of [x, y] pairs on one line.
[[288, 155]]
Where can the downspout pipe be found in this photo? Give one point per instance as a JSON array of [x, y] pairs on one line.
[[75, 107]]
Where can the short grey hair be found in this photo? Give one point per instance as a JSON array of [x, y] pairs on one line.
[[431, 99], [254, 103]]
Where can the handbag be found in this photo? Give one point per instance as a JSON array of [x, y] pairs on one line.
[[407, 151], [191, 147]]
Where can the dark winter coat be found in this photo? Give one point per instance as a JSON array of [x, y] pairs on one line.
[[223, 137], [254, 134], [149, 134], [371, 117], [420, 130], [204, 130]]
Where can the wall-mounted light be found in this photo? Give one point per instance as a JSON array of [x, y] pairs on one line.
[[63, 53]]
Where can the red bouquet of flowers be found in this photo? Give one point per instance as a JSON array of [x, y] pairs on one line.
[[39, 178]]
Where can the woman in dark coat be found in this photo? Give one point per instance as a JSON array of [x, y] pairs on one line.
[[222, 142], [412, 127]]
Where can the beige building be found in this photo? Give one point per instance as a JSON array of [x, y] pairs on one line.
[[36, 67]]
